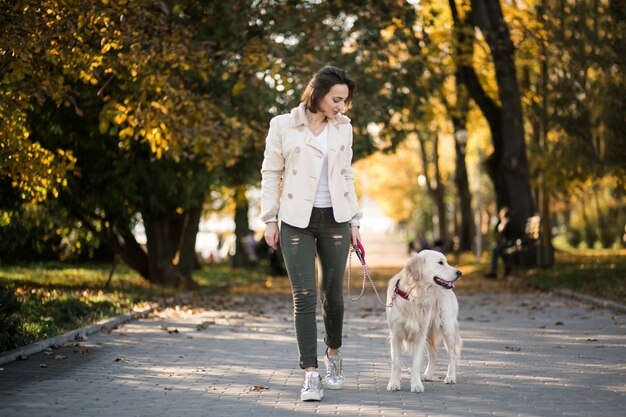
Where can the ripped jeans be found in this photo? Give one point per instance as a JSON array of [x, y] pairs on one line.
[[331, 241]]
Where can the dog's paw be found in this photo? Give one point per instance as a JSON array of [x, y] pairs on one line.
[[417, 386], [428, 377], [393, 386], [449, 380]]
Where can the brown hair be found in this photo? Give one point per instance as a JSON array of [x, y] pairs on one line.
[[322, 82]]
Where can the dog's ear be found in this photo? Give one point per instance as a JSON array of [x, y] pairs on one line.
[[414, 266]]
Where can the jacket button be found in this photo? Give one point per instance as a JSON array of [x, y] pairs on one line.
[[345, 194], [343, 171], [297, 149], [343, 147], [290, 196], [294, 172]]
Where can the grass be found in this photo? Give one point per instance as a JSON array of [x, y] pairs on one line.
[[44, 300], [54, 298], [597, 273]]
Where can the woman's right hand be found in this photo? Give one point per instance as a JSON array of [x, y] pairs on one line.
[[271, 234]]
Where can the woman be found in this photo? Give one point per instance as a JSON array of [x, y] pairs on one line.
[[308, 184]]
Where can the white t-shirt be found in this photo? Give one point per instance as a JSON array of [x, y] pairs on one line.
[[322, 195]]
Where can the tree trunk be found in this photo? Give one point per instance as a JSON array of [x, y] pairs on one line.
[[120, 240], [187, 246], [463, 51], [543, 199], [438, 198], [161, 248], [171, 247], [242, 256], [590, 235], [437, 190], [466, 228], [604, 236], [512, 165], [488, 107], [492, 113], [439, 194], [131, 252]]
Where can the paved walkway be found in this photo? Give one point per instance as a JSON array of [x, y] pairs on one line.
[[524, 355], [384, 250]]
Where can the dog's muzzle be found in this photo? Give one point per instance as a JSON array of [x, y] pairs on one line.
[[447, 284]]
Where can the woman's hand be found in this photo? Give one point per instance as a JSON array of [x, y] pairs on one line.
[[271, 234], [356, 235]]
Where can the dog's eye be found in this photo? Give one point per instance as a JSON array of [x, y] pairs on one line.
[[440, 262]]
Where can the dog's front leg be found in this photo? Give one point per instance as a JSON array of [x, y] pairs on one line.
[[453, 344], [432, 346], [395, 347], [418, 354]]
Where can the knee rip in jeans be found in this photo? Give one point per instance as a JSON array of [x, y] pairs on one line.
[[337, 239], [304, 301], [335, 303], [302, 291]]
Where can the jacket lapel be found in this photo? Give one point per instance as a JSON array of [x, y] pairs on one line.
[[298, 117], [311, 141], [335, 142]]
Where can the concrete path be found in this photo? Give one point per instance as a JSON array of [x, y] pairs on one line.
[[524, 355]]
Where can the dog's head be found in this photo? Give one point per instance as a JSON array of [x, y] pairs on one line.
[[432, 267]]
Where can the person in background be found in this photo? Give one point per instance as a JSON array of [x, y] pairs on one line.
[[308, 185], [507, 230]]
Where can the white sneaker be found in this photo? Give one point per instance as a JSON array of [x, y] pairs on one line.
[[312, 389], [334, 371]]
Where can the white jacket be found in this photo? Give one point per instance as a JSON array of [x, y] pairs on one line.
[[292, 166]]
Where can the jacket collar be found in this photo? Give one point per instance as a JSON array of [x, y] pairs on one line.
[[298, 117]]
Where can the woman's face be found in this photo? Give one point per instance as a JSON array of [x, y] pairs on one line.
[[334, 102]]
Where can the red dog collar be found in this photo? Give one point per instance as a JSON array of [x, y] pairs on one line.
[[401, 293]]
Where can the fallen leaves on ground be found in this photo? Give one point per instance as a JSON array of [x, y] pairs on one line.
[[258, 388], [175, 330], [204, 325]]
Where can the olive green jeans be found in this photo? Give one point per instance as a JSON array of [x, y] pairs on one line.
[[331, 241]]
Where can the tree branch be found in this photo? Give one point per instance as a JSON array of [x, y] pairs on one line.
[[466, 73]]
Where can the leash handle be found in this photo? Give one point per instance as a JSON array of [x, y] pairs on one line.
[[360, 251]]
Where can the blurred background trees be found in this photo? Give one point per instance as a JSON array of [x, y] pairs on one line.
[[117, 113]]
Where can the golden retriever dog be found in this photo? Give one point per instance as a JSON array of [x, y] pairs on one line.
[[423, 311]]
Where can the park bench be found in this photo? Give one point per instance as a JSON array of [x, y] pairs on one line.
[[526, 251]]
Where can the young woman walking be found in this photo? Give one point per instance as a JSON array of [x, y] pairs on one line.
[[308, 185]]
